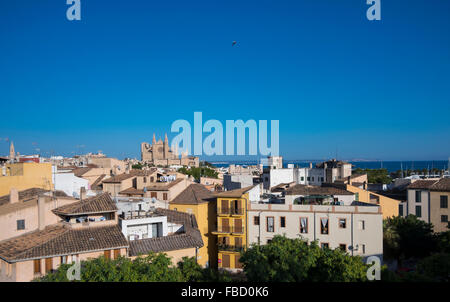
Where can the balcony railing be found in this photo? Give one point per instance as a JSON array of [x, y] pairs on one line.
[[230, 211], [229, 230], [230, 248]]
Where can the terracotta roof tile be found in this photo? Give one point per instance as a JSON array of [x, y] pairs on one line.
[[422, 184], [97, 204], [60, 239], [442, 185], [193, 194], [316, 190]]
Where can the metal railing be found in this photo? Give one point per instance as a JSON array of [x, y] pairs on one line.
[[230, 211], [230, 248], [229, 229]]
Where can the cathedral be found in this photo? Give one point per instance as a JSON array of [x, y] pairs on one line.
[[160, 154]]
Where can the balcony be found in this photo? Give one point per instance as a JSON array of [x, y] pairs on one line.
[[230, 248], [230, 211], [229, 230]]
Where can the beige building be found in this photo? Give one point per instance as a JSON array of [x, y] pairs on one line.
[[428, 200], [335, 169], [86, 229], [160, 154], [28, 210]]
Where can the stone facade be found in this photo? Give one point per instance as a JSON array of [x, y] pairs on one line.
[[160, 154]]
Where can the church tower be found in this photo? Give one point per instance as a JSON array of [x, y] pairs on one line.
[[166, 147], [12, 152]]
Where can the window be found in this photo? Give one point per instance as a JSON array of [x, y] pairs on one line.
[[308, 178], [444, 202], [342, 223], [37, 266], [255, 220], [324, 245], [343, 247], [312, 178], [321, 179], [361, 225], [419, 211], [324, 226], [357, 196], [363, 248], [283, 222], [302, 178], [48, 265], [269, 241], [303, 225], [270, 224], [444, 218], [400, 209], [153, 194], [164, 196], [418, 196], [21, 224], [145, 179], [63, 260]]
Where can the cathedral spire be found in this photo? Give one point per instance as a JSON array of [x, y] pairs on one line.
[[166, 140], [154, 139]]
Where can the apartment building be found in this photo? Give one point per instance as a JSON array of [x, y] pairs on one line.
[[428, 200], [231, 228], [197, 200], [305, 176], [335, 170], [356, 229]]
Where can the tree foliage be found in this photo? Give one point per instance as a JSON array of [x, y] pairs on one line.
[[294, 260], [198, 172], [407, 237], [375, 176], [151, 268]]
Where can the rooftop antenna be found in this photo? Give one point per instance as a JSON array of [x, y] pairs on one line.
[[401, 167]]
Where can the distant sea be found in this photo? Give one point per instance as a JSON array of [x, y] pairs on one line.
[[391, 166]]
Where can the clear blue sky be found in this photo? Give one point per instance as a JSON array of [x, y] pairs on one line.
[[333, 79]]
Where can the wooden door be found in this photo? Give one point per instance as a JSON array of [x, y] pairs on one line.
[[37, 266], [238, 241], [225, 260], [238, 226], [108, 254], [48, 265], [225, 225], [224, 209], [116, 254]]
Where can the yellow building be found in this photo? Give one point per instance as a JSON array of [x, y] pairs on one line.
[[23, 176], [389, 206], [231, 228], [198, 200]]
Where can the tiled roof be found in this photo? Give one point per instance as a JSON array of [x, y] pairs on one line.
[[163, 244], [163, 186], [234, 193], [118, 178], [178, 217], [193, 194], [81, 171], [101, 203], [442, 185], [422, 184], [316, 190], [132, 191], [24, 195], [96, 185], [61, 239]]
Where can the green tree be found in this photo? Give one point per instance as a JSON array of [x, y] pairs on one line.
[[294, 260], [435, 267], [407, 237]]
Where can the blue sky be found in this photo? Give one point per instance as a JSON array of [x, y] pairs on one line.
[[334, 80]]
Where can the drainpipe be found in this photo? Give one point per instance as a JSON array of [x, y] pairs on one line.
[[353, 247], [314, 225]]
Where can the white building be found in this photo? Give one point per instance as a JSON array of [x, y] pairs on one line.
[[66, 181], [305, 176]]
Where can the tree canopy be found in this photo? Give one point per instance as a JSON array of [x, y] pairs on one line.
[[294, 260]]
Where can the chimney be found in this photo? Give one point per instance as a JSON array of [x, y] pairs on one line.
[[82, 193], [41, 212], [13, 195], [310, 165]]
